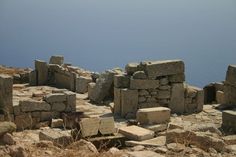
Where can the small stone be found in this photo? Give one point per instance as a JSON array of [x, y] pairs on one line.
[[8, 139], [57, 123]]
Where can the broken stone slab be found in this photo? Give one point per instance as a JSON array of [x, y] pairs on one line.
[[136, 133], [155, 115], [89, 126], [229, 120], [57, 136], [82, 84], [59, 60], [42, 72], [155, 142], [34, 105], [143, 84], [107, 125], [177, 98], [121, 81], [55, 97], [231, 75], [163, 68], [7, 127]]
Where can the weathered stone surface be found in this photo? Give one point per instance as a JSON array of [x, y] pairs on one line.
[[70, 101], [143, 92], [25, 121], [155, 142], [230, 96], [131, 68], [46, 116], [16, 110], [164, 81], [231, 75], [91, 88], [164, 68], [6, 84], [56, 60], [144, 153], [107, 125], [136, 133], [8, 139], [55, 97], [117, 101], [121, 81], [229, 120], [57, 136], [58, 106], [139, 75], [230, 139], [42, 72], [33, 78], [164, 94], [129, 101], [177, 98], [156, 127], [34, 105], [82, 84], [178, 78], [85, 146], [89, 126], [7, 127], [220, 97], [143, 84], [155, 115], [57, 123]]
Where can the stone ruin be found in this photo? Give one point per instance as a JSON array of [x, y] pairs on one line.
[[155, 84]]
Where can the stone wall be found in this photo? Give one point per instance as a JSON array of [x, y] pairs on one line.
[[230, 86], [214, 93], [154, 84]]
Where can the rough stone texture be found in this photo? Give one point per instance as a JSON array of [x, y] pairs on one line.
[[42, 72], [136, 133], [25, 121], [164, 94], [57, 123], [231, 75], [89, 126], [6, 104], [220, 97], [178, 78], [33, 78], [230, 94], [139, 75], [58, 106], [58, 137], [34, 105], [143, 84], [55, 97], [7, 127], [70, 101], [82, 84], [8, 139], [85, 146], [230, 139], [59, 60], [91, 88], [131, 68], [46, 116], [177, 98], [129, 101], [117, 101], [229, 120], [200, 100], [153, 115], [107, 125], [121, 81], [164, 68], [16, 110]]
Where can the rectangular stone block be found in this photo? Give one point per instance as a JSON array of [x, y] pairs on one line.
[[62, 80], [55, 97], [42, 72], [164, 68], [177, 78], [117, 101], [89, 126], [70, 101], [91, 88], [163, 94], [136, 133], [33, 78], [59, 60], [82, 84], [220, 97], [231, 75], [6, 85], [200, 100], [129, 102], [121, 81], [25, 121], [155, 115], [230, 94], [229, 120], [34, 105], [177, 98], [143, 84], [107, 125], [46, 116]]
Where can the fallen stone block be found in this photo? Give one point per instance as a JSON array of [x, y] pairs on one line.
[[155, 115], [34, 105], [42, 72], [82, 84], [136, 133], [229, 121], [89, 126], [156, 127], [57, 136], [177, 98], [25, 121], [59, 60], [55, 97], [57, 123], [230, 96], [107, 125], [7, 127], [143, 84], [8, 139]]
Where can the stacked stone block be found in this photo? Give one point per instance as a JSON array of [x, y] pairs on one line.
[[230, 86]]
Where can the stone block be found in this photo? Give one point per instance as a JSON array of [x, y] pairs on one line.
[[230, 94], [129, 101], [82, 84], [33, 78], [7, 127], [62, 80], [107, 125], [200, 100], [16, 110], [148, 105], [70, 101], [57, 123], [131, 68], [42, 72], [164, 94], [143, 84], [25, 121], [231, 75], [117, 101], [229, 120], [6, 85], [89, 126], [57, 136], [121, 81], [220, 97], [46, 116], [164, 68], [139, 75], [177, 98], [55, 97], [34, 105], [36, 114], [58, 106], [136, 133], [59, 60], [177, 78], [155, 115]]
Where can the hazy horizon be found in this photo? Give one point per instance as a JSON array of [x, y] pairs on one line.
[[100, 35]]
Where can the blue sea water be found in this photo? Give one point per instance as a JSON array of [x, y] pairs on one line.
[[102, 34]]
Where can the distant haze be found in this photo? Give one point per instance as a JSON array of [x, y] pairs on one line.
[[102, 34]]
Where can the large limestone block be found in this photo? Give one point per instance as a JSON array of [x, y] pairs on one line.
[[220, 97], [42, 72], [231, 75], [107, 126], [117, 101], [121, 81], [55, 97], [155, 115], [164, 68], [34, 105], [7, 127], [230, 94], [229, 120], [177, 78], [70, 101], [136, 133], [6, 84], [143, 84], [129, 101], [89, 126], [82, 84], [177, 98], [33, 78], [56, 60], [58, 106]]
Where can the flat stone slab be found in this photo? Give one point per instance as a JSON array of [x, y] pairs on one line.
[[55, 97], [89, 126], [33, 105], [107, 126], [136, 133], [155, 142]]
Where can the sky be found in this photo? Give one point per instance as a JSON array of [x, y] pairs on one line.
[[102, 34]]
